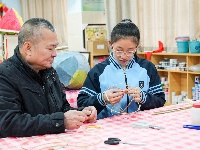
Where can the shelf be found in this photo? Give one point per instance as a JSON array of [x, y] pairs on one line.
[[171, 54], [106, 54], [178, 81], [9, 41], [93, 56], [4, 31], [161, 70], [194, 72]]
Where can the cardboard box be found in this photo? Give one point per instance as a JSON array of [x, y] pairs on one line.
[[98, 47]]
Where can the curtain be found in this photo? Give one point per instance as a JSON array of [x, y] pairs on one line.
[[54, 11], [158, 20]]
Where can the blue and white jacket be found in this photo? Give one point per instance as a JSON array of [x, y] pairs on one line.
[[109, 74]]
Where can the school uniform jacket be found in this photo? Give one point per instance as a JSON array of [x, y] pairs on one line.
[[109, 74]]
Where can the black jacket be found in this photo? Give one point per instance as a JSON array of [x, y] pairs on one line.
[[30, 103]]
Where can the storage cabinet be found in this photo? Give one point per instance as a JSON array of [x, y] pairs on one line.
[[93, 56], [97, 49], [178, 80], [8, 41]]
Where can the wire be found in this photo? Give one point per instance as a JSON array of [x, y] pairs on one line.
[[58, 142]]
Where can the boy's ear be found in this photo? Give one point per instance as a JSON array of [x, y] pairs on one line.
[[110, 43]]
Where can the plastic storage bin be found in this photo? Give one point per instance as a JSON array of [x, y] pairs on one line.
[[183, 46], [194, 46]]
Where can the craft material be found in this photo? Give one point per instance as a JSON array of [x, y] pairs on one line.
[[61, 142], [143, 124], [171, 110], [93, 126]]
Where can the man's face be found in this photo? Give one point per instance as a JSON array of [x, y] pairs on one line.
[[43, 52]]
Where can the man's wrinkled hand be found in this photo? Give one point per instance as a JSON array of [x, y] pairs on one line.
[[91, 113], [73, 119]]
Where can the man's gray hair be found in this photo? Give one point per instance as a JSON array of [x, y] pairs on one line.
[[31, 30]]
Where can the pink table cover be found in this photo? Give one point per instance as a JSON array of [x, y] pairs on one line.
[[92, 136]]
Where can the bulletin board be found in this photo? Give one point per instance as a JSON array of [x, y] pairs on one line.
[[94, 32], [93, 5]]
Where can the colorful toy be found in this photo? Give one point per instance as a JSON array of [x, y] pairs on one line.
[[72, 68]]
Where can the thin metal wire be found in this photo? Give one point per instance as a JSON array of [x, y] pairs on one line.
[[114, 107]]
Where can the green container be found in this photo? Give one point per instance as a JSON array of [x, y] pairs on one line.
[[194, 46], [183, 46]]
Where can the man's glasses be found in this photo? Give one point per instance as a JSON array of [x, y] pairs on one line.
[[121, 53]]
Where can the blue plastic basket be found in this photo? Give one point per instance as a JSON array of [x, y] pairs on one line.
[[183, 46], [194, 46]]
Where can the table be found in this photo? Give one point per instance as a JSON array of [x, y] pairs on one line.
[[92, 136]]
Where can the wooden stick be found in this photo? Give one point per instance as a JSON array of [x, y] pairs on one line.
[[171, 110]]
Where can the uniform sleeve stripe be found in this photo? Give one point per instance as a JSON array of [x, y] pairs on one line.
[[100, 99], [88, 91]]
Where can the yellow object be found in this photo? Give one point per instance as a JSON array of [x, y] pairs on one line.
[[96, 127], [18, 17], [77, 79]]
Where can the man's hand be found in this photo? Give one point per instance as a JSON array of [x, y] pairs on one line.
[[91, 113], [73, 119]]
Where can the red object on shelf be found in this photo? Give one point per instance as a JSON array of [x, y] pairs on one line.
[[5, 9], [160, 49]]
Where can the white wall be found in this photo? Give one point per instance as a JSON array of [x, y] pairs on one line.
[[74, 6], [77, 20]]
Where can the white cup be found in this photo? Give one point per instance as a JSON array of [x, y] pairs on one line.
[[195, 111]]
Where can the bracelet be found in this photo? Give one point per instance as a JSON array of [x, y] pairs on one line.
[[107, 99]]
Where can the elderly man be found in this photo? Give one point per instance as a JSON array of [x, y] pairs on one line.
[[32, 101]]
